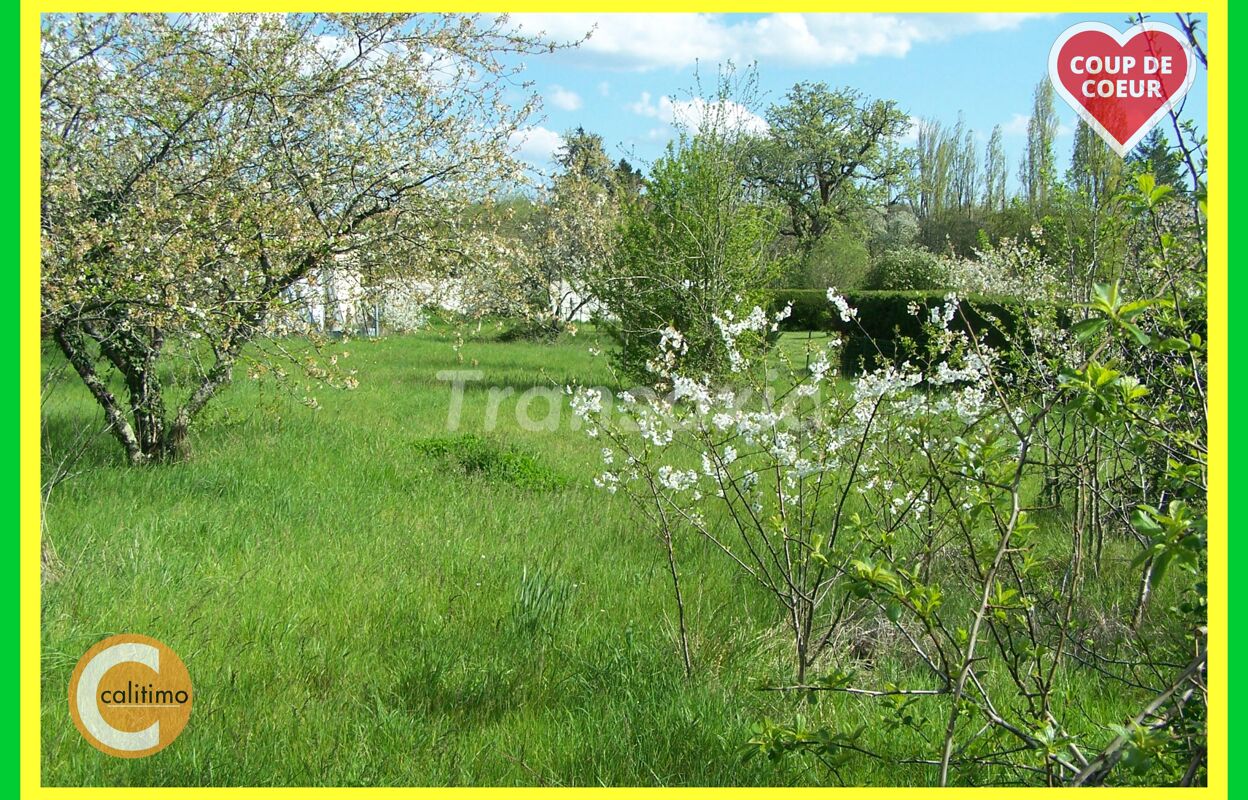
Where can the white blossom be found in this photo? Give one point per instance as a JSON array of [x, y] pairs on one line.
[[676, 479], [842, 305]]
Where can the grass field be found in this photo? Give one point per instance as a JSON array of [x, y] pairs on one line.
[[362, 597]]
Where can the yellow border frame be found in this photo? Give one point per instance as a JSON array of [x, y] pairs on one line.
[[29, 349]]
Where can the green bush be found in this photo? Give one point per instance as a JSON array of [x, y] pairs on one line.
[[954, 231], [532, 330], [907, 269], [839, 258], [694, 246]]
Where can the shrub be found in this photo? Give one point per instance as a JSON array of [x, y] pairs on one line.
[[694, 246], [839, 258], [940, 464], [955, 231], [891, 227], [908, 268], [541, 331], [811, 310]]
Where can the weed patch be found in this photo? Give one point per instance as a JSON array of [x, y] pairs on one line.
[[495, 461]]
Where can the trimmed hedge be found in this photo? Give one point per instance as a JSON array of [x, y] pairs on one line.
[[884, 318]]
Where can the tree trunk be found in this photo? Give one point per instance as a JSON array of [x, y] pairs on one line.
[[146, 433], [72, 344]]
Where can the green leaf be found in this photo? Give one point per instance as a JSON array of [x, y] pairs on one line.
[[1159, 565], [1142, 520], [1140, 336], [1132, 309], [1106, 296], [1087, 328], [1172, 344], [1159, 193]]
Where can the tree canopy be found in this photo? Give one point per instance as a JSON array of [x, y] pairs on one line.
[[826, 153]]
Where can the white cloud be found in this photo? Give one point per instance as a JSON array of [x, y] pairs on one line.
[[1017, 126], [645, 107], [696, 113], [563, 98], [635, 41], [642, 42], [998, 22], [911, 137], [604, 88], [535, 144]]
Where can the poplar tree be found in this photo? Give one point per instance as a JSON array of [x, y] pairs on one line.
[[1037, 172]]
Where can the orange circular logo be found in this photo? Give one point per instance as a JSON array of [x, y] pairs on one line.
[[130, 695]]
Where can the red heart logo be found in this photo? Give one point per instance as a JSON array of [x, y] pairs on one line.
[[1121, 84]]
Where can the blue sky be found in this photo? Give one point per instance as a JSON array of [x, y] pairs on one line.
[[628, 81]]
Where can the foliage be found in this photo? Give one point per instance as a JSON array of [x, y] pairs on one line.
[[582, 154], [947, 167], [891, 227], [946, 537], [1037, 171], [576, 237], [996, 171], [1015, 266], [955, 232], [1154, 154], [841, 257], [893, 326]]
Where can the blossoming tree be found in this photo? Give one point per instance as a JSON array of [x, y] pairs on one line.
[[196, 167]]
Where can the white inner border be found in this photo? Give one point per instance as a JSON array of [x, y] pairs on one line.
[[1121, 148]]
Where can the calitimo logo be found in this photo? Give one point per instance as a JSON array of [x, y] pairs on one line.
[[130, 695]]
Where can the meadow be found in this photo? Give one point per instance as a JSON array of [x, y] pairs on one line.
[[364, 597], [961, 540]]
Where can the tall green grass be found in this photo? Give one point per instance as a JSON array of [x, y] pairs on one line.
[[364, 597]]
